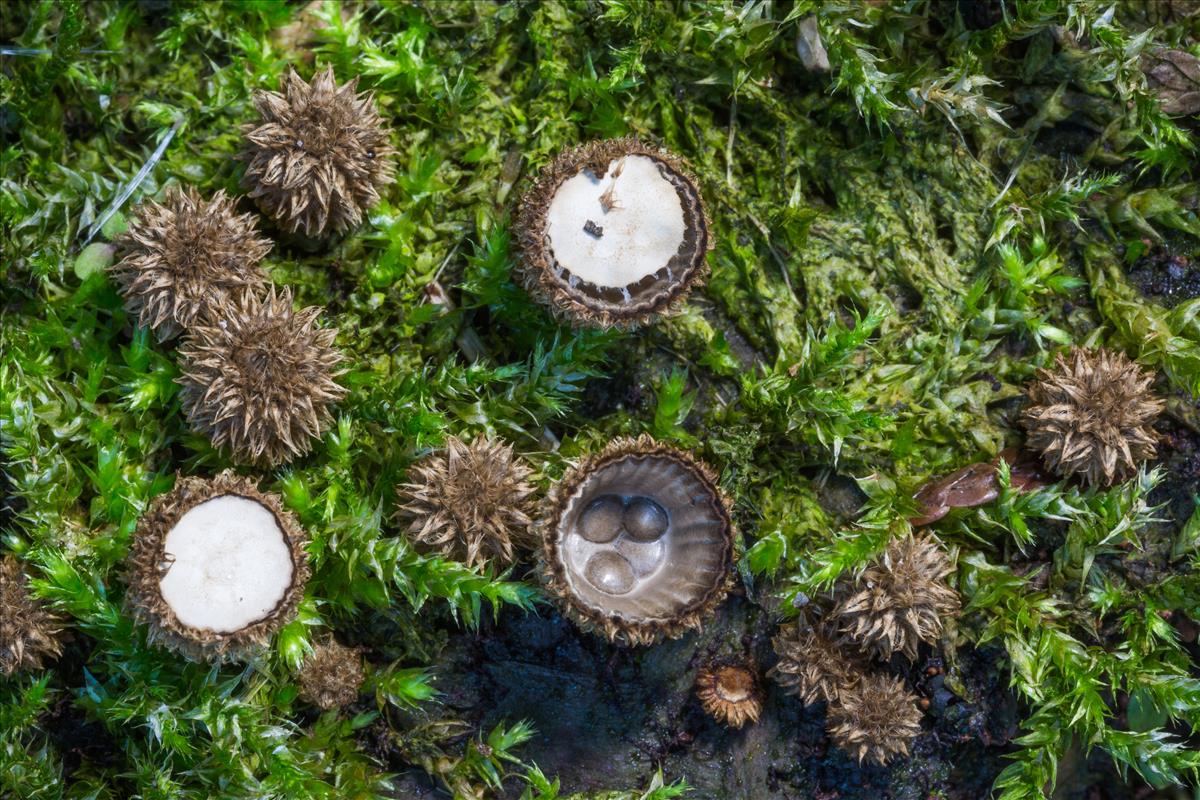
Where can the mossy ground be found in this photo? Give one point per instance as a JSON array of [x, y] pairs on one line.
[[900, 241]]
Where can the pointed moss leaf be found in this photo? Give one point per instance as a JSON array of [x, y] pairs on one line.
[[1189, 536], [293, 643], [114, 226], [95, 258], [767, 553], [1143, 714], [403, 687]]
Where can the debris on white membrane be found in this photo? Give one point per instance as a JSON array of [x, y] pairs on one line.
[[613, 233], [616, 230], [227, 565]]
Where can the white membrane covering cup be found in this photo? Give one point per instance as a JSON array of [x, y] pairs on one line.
[[636, 212], [229, 565]]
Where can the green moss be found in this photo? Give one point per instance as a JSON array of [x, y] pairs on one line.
[[893, 259]]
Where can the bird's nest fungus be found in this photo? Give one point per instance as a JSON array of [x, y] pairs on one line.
[[613, 234], [216, 568], [638, 543]]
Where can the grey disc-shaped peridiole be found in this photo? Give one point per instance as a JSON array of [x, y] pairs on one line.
[[639, 542]]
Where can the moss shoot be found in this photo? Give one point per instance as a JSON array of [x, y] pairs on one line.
[[403, 268]]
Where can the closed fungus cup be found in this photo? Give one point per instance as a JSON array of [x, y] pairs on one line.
[[319, 156], [638, 543], [216, 568], [259, 377], [613, 234], [30, 633], [332, 676]]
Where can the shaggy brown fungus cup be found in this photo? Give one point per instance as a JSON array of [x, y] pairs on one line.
[[319, 156], [876, 720], [470, 502], [216, 568], [29, 632], [729, 692], [814, 664], [185, 256], [332, 676], [1092, 416], [259, 377], [899, 600], [613, 234], [639, 543]]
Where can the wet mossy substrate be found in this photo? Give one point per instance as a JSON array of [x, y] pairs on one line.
[[818, 214], [1168, 274], [608, 715]]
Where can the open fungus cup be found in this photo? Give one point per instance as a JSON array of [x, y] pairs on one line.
[[613, 234], [216, 568], [729, 692], [638, 543]]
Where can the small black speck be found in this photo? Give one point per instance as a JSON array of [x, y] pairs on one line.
[[370, 154], [593, 229]]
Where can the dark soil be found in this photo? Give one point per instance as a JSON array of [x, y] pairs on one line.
[[78, 738], [1179, 457], [608, 716], [1167, 275]]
